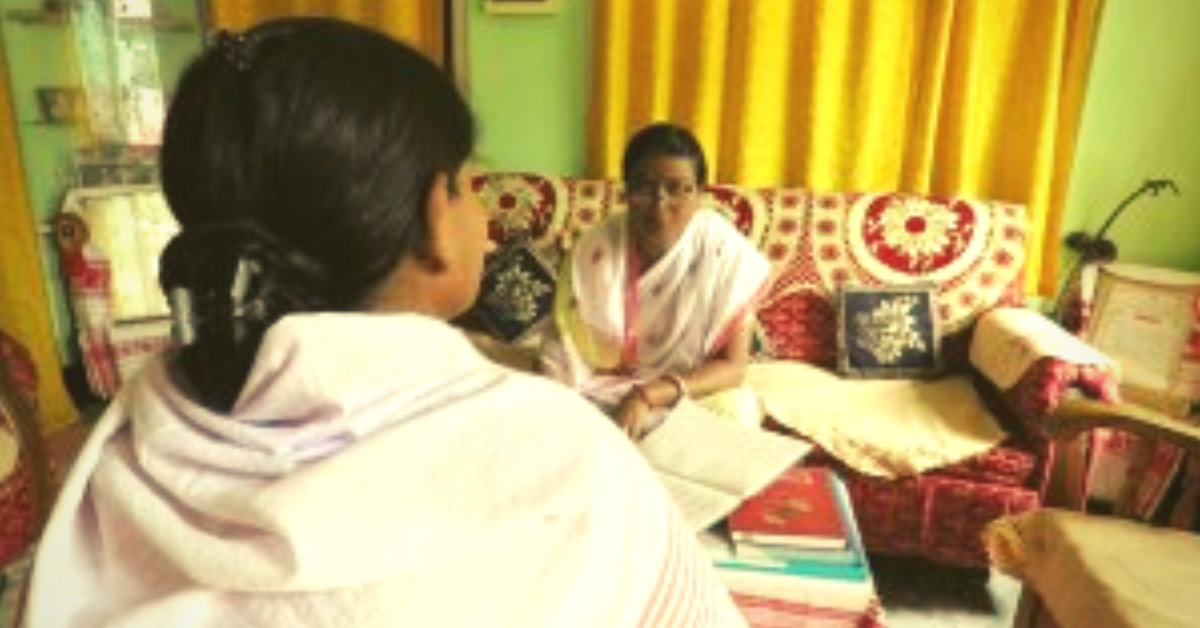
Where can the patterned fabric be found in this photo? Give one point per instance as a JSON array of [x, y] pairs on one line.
[[18, 502], [934, 517], [17, 510], [1046, 382], [887, 331], [1010, 340], [1014, 463], [972, 250], [517, 292]]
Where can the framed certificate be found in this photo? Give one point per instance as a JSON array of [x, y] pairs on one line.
[[1148, 319]]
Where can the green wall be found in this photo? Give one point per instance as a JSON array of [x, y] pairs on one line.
[[528, 80], [1142, 120]]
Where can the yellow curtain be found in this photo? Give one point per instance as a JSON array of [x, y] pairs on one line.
[[417, 22], [974, 97], [24, 304]]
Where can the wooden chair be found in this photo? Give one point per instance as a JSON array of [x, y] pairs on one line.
[[1084, 570]]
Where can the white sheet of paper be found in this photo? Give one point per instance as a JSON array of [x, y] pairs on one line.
[[700, 505], [710, 464]]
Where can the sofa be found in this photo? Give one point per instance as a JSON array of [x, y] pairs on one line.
[[1006, 366], [969, 252]]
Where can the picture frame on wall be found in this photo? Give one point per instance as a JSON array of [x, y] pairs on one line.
[[528, 7]]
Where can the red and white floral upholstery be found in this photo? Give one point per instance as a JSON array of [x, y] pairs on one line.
[[973, 250]]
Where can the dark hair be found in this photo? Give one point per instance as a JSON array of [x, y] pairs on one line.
[[297, 158], [663, 139]]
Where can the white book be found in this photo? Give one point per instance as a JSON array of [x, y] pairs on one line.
[[709, 464]]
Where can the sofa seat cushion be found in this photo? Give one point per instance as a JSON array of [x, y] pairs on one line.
[[880, 428]]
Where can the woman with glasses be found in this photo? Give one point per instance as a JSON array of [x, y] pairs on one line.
[[655, 302]]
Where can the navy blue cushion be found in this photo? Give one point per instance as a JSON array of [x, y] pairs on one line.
[[517, 293], [888, 331]]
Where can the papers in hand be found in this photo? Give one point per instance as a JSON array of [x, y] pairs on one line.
[[709, 464]]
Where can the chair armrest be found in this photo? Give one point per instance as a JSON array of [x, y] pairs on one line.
[[1074, 416], [1034, 362]]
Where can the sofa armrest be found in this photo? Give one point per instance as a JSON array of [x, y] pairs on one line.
[[1034, 362]]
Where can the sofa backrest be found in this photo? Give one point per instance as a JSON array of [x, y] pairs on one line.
[[972, 250]]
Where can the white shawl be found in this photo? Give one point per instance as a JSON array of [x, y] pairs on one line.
[[376, 471]]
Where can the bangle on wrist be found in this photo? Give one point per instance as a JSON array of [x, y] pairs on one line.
[[680, 387]]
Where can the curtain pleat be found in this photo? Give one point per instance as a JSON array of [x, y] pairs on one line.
[[24, 304], [417, 22], [971, 97]]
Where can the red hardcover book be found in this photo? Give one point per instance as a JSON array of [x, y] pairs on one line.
[[798, 509]]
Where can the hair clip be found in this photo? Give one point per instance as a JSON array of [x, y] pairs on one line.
[[234, 49], [245, 279], [182, 316]]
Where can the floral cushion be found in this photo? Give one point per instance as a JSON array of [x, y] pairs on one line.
[[517, 293], [888, 331]]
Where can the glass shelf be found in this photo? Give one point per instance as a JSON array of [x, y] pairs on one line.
[[58, 18]]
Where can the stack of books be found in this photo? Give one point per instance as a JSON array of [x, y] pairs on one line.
[[791, 554]]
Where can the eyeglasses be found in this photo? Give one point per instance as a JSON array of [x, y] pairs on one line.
[[672, 189]]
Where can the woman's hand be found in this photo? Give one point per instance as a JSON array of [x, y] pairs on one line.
[[633, 413]]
